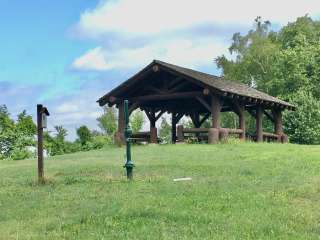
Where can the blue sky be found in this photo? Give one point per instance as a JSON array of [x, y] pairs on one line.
[[66, 54]]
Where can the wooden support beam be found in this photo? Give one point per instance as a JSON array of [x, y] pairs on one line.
[[175, 81], [252, 112], [173, 129], [259, 130], [205, 117], [195, 117], [178, 87], [269, 116], [149, 114], [278, 128], [154, 89], [174, 120], [204, 103], [153, 135], [215, 111], [119, 135], [159, 115], [133, 107], [180, 136], [154, 97], [121, 120], [153, 130]]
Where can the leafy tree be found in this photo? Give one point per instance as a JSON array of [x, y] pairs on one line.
[[165, 131], [5, 121], [57, 143], [108, 121], [84, 135], [303, 125], [61, 133], [25, 124], [137, 120], [280, 63], [7, 132]]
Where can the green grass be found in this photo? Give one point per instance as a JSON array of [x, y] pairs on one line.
[[238, 191]]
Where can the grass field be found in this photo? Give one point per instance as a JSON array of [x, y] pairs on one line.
[[238, 191]]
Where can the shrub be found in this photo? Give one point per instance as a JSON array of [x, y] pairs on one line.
[[303, 125], [20, 154], [84, 135]]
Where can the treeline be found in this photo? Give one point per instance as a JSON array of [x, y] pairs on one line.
[[18, 138], [286, 64]]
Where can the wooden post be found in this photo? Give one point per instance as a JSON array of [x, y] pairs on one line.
[[223, 134], [259, 130], [119, 135], [40, 144], [153, 135], [121, 120], [215, 111], [195, 117], [153, 129], [278, 129], [180, 133], [42, 113], [242, 123], [213, 134], [173, 128]]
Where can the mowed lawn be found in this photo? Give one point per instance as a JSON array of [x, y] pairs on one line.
[[238, 191]]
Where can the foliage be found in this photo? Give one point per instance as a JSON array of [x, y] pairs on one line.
[[61, 133], [108, 121], [15, 137], [26, 125], [137, 121], [303, 125], [17, 154], [84, 135], [280, 63], [86, 141], [165, 131]]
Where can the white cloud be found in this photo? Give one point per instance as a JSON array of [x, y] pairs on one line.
[[180, 51], [151, 16], [67, 107], [159, 26], [94, 59]]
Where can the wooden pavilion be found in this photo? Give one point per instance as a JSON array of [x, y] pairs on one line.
[[162, 87]]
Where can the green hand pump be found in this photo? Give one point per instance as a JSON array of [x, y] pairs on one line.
[[127, 134]]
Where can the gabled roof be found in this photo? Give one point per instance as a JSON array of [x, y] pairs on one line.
[[218, 83]]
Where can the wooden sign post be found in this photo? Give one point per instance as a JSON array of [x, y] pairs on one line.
[[42, 113]]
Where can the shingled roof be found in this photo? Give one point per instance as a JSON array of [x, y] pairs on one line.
[[218, 83]]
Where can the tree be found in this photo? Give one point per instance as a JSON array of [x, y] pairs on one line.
[[280, 63], [303, 125], [7, 132], [108, 121], [137, 121], [6, 122], [25, 124], [61, 133], [165, 131], [57, 143], [84, 134]]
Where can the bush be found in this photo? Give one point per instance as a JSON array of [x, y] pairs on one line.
[[71, 147], [20, 154], [303, 125], [101, 141], [84, 134]]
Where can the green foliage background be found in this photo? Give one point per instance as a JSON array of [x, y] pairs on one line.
[[285, 64]]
